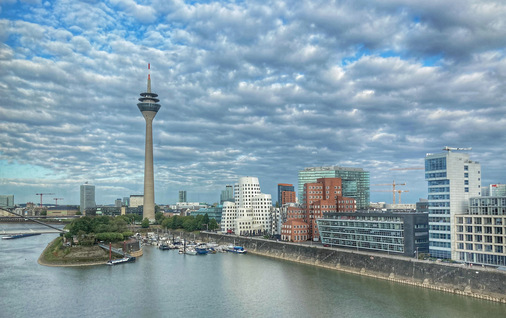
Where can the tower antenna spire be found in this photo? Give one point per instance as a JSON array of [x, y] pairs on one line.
[[149, 78]]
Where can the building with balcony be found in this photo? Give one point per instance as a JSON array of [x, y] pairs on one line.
[[481, 233]]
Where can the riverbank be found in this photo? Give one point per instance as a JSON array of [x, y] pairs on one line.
[[56, 255], [478, 282]]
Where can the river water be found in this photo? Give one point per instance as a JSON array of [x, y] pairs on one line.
[[166, 284]]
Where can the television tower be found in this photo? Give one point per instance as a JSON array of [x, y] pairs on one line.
[[149, 107]]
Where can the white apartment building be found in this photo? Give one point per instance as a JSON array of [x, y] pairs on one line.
[[452, 179], [250, 214]]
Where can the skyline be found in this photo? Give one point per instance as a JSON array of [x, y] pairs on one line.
[[247, 89]]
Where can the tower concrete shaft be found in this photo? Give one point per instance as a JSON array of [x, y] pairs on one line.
[[149, 107]]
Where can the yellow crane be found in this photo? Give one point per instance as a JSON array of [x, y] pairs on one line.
[[393, 185]]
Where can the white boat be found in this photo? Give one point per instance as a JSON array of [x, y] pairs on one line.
[[121, 261], [237, 249]]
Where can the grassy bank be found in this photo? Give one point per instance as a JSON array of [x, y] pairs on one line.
[[55, 254]]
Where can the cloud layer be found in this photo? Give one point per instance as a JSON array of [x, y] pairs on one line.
[[247, 88]]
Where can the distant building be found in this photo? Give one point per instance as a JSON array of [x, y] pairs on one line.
[[87, 197], [62, 210], [286, 193], [422, 206], [118, 203], [481, 232], [7, 201], [126, 201], [396, 233], [355, 181], [182, 196], [227, 194], [212, 212], [136, 200], [495, 190], [452, 179]]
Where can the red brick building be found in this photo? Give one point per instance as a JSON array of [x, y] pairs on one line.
[[288, 197], [294, 231], [324, 196]]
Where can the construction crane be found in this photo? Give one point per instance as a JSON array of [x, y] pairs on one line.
[[56, 199], [393, 184], [398, 192], [41, 194], [451, 148]]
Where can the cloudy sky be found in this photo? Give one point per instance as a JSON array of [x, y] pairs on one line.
[[247, 88]]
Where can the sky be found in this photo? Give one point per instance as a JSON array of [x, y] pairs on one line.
[[247, 88]]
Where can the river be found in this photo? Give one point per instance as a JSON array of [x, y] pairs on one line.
[[166, 284]]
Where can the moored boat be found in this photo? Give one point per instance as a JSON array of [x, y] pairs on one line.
[[121, 261], [16, 236], [236, 249]]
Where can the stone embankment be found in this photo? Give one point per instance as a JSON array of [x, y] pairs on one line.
[[479, 282]]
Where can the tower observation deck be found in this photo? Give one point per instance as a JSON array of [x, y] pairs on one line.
[[149, 107]]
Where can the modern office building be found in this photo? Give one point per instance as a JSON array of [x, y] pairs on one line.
[[286, 193], [7, 201], [250, 214], [182, 196], [149, 107], [118, 202], [227, 194], [494, 190], [356, 182], [452, 179], [87, 197], [213, 212], [395, 233], [481, 232]]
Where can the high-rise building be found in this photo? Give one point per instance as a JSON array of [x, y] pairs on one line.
[[452, 179], [227, 194], [126, 201], [496, 190], [87, 197], [356, 182], [289, 196], [250, 213], [149, 107], [118, 203], [7, 201], [182, 196]]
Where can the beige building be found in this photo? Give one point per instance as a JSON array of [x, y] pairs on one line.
[[136, 200], [481, 233]]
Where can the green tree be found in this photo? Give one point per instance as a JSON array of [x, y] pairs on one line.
[[206, 219], [43, 212], [213, 225], [145, 223], [159, 217]]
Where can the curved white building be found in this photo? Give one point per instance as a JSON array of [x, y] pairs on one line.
[[250, 214]]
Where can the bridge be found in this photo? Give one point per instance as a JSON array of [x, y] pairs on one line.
[[29, 231], [52, 229]]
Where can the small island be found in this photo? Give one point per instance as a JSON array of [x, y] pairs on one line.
[[80, 246]]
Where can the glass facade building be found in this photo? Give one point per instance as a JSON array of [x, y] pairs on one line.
[[452, 178], [281, 188], [87, 197], [356, 182], [400, 233]]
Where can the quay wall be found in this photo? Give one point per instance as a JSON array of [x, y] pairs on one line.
[[479, 282]]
